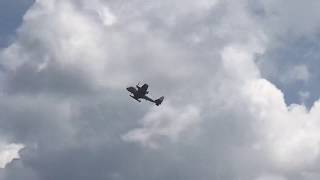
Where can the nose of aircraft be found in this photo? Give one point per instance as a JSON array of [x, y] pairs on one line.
[[129, 89]]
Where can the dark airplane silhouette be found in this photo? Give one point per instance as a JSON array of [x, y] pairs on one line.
[[141, 93]]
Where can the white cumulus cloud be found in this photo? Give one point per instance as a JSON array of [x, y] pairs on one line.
[[8, 153], [64, 80]]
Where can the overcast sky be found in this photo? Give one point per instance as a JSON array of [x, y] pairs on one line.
[[240, 80]]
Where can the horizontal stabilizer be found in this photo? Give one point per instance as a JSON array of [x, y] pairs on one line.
[[159, 101]]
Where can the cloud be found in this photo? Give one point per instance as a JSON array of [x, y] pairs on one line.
[[290, 134], [165, 122], [271, 177], [63, 93], [297, 19], [296, 73], [8, 153]]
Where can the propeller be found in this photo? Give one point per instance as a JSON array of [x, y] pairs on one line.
[[138, 85]]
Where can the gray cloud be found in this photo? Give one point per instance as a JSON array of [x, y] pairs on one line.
[[63, 92]]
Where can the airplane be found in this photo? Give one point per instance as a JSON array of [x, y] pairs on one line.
[[140, 92]]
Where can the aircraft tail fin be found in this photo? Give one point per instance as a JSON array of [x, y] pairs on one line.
[[159, 101]]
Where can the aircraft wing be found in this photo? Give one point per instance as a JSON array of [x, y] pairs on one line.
[[143, 89], [132, 90]]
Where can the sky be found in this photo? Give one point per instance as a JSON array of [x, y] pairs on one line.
[[239, 77]]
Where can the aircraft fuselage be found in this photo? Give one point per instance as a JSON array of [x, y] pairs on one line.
[[141, 93]]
